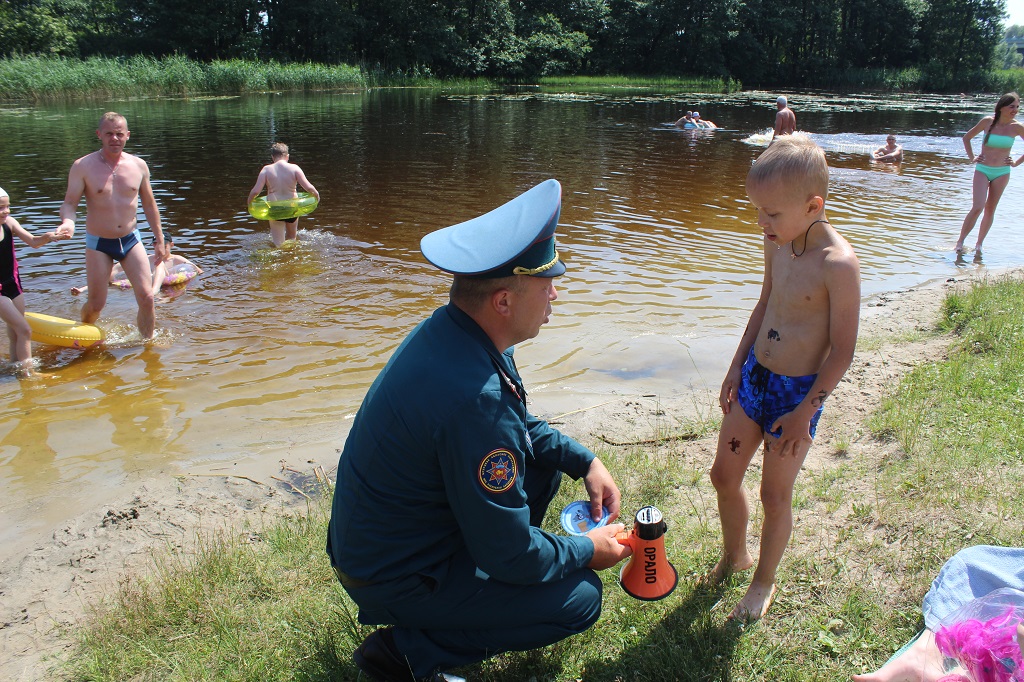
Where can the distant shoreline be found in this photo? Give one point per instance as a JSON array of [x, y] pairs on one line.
[[40, 79]]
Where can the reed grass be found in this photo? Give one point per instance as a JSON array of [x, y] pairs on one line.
[[687, 84], [38, 78], [42, 78], [262, 604]]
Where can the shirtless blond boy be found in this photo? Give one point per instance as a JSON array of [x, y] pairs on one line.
[[113, 181], [797, 345], [280, 179]]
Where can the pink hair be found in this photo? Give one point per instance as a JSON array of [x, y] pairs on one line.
[[988, 650]]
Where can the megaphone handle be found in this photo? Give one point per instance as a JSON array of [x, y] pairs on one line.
[[623, 538]]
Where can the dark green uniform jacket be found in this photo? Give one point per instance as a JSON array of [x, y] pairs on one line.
[[435, 462]]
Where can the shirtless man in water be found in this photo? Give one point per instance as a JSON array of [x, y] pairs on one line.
[[890, 152], [280, 179], [785, 120], [113, 181]]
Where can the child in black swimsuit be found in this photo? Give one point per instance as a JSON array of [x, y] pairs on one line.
[[12, 302]]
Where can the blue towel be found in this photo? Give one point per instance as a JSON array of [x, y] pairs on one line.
[[972, 573]]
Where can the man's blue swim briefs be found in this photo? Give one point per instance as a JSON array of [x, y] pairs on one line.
[[115, 248], [766, 396]]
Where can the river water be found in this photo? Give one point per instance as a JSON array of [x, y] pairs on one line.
[[267, 355]]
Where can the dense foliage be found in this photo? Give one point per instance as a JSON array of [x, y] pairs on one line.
[[794, 42]]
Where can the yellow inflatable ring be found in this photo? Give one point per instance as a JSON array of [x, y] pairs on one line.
[[283, 209], [57, 331]]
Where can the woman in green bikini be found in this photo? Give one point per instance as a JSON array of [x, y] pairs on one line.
[[992, 170]]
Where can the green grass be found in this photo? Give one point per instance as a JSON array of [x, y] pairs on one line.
[[688, 84], [959, 421], [928, 78], [869, 538], [38, 78], [47, 78], [874, 343], [44, 78]]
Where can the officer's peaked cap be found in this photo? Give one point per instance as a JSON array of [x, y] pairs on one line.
[[517, 238]]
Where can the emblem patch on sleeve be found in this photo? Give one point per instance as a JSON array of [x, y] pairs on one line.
[[497, 471]]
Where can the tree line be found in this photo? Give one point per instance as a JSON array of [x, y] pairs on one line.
[[758, 42]]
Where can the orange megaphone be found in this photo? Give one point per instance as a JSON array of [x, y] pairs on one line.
[[648, 575]]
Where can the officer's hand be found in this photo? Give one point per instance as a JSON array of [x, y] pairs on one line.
[[607, 549], [602, 490]]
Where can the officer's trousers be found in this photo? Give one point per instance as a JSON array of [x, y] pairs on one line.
[[464, 617]]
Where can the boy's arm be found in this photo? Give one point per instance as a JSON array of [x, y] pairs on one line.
[[842, 280], [159, 274], [732, 376], [261, 182], [300, 177]]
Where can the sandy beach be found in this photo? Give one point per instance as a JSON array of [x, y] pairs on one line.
[[50, 587]]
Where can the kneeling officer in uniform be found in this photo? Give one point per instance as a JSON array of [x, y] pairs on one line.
[[445, 476]]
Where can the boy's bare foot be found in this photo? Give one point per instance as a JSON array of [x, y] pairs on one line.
[[724, 568], [754, 604], [78, 290], [959, 248]]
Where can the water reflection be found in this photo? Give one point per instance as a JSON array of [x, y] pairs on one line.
[[269, 351]]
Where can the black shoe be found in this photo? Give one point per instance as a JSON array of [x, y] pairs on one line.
[[378, 657]]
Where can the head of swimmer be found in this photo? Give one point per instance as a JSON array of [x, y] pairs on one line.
[[169, 241], [113, 132], [278, 151], [1011, 102]]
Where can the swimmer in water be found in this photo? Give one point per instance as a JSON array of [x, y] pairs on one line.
[[280, 179], [160, 269], [686, 120], [703, 122], [890, 152], [12, 298], [785, 119]]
